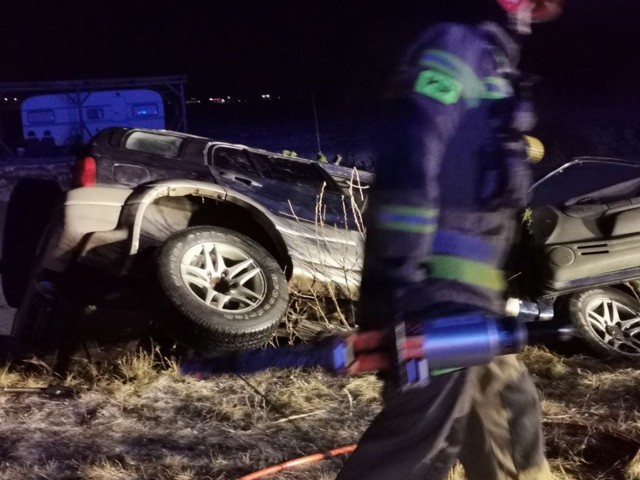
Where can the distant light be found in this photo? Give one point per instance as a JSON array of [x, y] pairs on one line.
[[266, 96], [6, 99], [15, 99], [145, 110]]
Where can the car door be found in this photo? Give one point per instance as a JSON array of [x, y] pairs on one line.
[[287, 186]]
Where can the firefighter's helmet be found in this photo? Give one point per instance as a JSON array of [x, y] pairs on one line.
[[540, 10]]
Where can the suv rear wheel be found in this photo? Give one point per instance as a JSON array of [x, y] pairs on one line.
[[225, 290]]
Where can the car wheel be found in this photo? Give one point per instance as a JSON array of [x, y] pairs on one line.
[[27, 215], [228, 291], [609, 320]]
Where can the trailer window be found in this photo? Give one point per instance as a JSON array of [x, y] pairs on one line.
[[41, 116], [94, 114], [145, 110], [164, 145]]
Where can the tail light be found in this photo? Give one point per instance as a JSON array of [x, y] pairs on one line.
[[84, 174]]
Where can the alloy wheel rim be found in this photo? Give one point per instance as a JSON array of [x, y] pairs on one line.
[[223, 277], [616, 324]]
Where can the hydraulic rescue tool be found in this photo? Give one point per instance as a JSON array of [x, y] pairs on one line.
[[410, 353]]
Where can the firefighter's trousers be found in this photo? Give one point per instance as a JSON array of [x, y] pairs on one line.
[[487, 416]]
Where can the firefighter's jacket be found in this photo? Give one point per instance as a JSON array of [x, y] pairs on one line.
[[450, 179]]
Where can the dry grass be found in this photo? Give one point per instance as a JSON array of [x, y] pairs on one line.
[[141, 419]]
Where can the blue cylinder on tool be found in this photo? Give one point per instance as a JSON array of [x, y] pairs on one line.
[[469, 339]]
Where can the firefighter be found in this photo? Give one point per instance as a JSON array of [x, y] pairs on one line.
[[442, 220]]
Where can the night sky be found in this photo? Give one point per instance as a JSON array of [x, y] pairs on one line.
[[246, 47], [222, 46]]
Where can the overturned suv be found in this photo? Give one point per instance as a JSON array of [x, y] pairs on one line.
[[202, 238]]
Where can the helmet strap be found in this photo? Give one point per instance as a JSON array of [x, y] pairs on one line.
[[520, 19]]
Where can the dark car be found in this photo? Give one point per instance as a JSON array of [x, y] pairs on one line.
[[207, 236]]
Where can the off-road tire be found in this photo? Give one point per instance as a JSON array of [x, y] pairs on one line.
[[615, 341], [28, 212], [201, 326]]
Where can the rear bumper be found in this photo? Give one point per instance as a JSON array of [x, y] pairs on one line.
[[83, 214]]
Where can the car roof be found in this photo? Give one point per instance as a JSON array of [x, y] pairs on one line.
[[120, 132], [210, 141]]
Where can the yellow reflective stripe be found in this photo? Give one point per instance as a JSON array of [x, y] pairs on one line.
[[405, 218], [471, 272], [473, 86], [497, 88], [444, 371], [408, 210], [408, 227], [439, 86]]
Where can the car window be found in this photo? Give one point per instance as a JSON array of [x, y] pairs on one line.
[[293, 172], [587, 180], [234, 160], [164, 145]]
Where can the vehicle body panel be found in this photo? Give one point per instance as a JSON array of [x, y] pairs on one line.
[[297, 205], [586, 224]]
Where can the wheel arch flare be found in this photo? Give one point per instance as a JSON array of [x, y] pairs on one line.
[[166, 207]]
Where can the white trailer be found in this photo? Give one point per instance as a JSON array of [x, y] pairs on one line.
[[74, 117]]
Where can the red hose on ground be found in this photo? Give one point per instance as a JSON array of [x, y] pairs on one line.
[[316, 457]]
